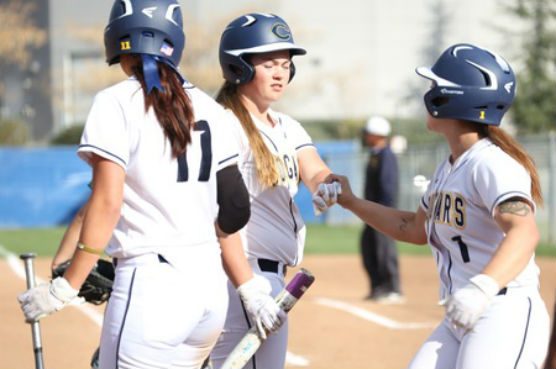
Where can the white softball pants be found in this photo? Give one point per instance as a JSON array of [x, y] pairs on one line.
[[272, 353], [513, 333], [164, 314]]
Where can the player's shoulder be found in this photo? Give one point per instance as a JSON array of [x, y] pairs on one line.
[[493, 159], [204, 106], [121, 91], [284, 119], [288, 123]]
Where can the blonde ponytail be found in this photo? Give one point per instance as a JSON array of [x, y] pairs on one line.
[[265, 161]]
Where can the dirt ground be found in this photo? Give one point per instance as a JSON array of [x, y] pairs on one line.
[[332, 327]]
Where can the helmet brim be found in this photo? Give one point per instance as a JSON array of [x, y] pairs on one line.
[[427, 73], [277, 46]]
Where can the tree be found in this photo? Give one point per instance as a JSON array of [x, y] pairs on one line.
[[20, 37], [534, 108], [434, 45]]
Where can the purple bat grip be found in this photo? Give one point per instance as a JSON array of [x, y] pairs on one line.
[[299, 283]]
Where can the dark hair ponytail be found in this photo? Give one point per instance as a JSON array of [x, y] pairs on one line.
[[172, 106]]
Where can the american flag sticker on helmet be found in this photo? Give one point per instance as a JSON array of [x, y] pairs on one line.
[[167, 49]]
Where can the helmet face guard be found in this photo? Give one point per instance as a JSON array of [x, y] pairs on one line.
[[152, 27], [253, 33], [471, 84]]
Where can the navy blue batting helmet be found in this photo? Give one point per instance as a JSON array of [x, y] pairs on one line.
[[253, 33], [469, 83], [153, 27]]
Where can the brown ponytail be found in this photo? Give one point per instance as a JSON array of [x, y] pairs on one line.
[[265, 161], [172, 106], [511, 147]]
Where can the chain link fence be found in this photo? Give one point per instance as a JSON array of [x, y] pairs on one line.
[[422, 159]]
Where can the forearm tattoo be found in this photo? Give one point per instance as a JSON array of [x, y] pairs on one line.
[[404, 224], [516, 207]]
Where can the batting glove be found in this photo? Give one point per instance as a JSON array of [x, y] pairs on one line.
[[46, 298], [465, 307], [263, 309], [325, 196]]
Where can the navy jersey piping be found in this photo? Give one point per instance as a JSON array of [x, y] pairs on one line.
[[524, 334], [304, 145], [269, 139], [525, 195], [228, 158], [125, 317], [106, 152]]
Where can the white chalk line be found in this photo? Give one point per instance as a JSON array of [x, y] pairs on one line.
[[16, 265], [370, 316]]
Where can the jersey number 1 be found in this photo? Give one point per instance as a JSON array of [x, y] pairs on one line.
[[206, 155], [462, 248]]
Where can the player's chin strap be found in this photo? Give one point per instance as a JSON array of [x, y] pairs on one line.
[[151, 73]]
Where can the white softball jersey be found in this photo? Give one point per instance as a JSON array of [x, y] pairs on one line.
[[275, 230], [167, 202], [460, 204], [169, 299]]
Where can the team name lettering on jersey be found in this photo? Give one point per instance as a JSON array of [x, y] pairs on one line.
[[287, 168], [447, 208]]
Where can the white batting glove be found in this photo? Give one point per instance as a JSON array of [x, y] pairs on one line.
[[263, 309], [465, 307], [325, 196], [46, 298]]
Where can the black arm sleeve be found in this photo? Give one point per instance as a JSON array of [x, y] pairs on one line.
[[233, 200]]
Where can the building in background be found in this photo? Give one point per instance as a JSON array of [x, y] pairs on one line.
[[361, 53], [25, 84]]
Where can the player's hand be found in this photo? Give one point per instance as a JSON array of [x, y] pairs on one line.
[[267, 315], [466, 305], [325, 196], [345, 195], [46, 298]]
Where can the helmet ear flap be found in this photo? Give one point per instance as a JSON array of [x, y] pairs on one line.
[[292, 71]]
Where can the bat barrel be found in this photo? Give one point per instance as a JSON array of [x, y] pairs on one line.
[[300, 282]]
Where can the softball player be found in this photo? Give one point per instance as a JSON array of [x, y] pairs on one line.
[[275, 153], [478, 217], [165, 186]]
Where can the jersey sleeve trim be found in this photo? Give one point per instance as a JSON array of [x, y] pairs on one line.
[[305, 145], [83, 150], [424, 204], [509, 195], [228, 159]]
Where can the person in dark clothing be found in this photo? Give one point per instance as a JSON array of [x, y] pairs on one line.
[[379, 253]]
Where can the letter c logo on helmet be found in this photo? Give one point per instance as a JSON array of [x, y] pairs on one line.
[[282, 31], [253, 33], [469, 83]]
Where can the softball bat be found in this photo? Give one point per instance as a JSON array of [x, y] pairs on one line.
[[286, 300]]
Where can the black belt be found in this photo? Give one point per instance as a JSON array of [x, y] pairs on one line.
[[268, 265]]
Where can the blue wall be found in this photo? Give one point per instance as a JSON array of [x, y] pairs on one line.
[[45, 187], [41, 187]]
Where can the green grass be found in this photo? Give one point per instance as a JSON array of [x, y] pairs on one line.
[[321, 239], [42, 241], [325, 239]]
